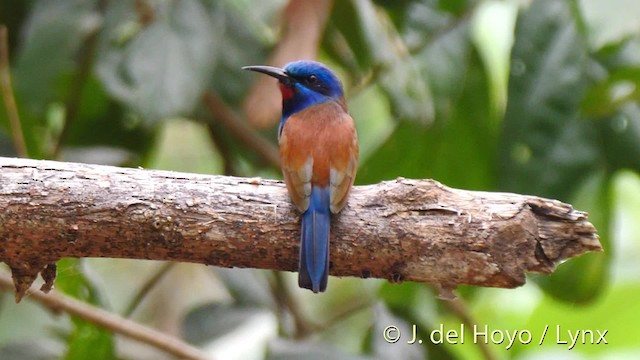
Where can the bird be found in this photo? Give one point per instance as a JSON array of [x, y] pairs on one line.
[[319, 157]]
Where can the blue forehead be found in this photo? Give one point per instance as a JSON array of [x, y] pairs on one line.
[[303, 68]]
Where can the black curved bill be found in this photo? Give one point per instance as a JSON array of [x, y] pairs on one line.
[[276, 72]]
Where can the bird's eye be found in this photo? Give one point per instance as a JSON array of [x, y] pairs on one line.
[[312, 79]]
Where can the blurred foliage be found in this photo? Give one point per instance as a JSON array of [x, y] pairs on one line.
[[535, 97]]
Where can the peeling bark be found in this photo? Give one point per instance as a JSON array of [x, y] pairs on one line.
[[416, 230]]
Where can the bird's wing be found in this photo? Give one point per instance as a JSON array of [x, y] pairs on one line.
[[298, 180], [296, 163], [343, 163]]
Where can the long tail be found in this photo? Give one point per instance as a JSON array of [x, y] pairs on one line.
[[313, 269]]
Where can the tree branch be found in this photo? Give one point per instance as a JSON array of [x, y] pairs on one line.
[[113, 322], [242, 131], [417, 230]]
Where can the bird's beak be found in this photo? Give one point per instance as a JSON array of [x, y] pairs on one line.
[[276, 72]]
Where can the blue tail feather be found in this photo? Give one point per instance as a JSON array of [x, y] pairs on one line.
[[313, 269]]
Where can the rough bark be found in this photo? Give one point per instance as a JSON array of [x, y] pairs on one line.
[[417, 230]]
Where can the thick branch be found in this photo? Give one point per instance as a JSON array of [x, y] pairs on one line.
[[418, 230]]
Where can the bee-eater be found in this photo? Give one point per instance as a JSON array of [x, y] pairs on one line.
[[319, 156]]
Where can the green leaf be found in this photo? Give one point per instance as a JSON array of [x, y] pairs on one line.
[[409, 304], [243, 42], [626, 227], [617, 90], [620, 138], [54, 31], [51, 39], [344, 23], [164, 68], [212, 321], [102, 124], [43, 86], [457, 7], [457, 150], [377, 46], [492, 32], [184, 145], [581, 280], [613, 102], [87, 341], [613, 312], [245, 38], [446, 60], [546, 148], [73, 280], [397, 10], [405, 299], [6, 144]]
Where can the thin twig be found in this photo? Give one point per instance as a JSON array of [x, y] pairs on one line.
[[241, 130], [224, 149], [7, 94], [59, 302], [77, 86], [459, 308], [367, 79], [148, 285], [343, 313], [146, 13], [285, 299], [305, 328]]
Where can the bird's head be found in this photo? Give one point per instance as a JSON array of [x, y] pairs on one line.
[[303, 83]]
